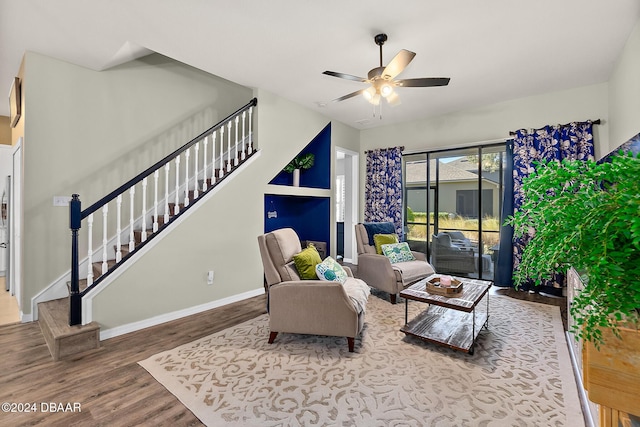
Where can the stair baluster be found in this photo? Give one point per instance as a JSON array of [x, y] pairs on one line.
[[235, 159], [244, 154], [187, 154], [229, 147], [196, 148], [132, 237], [221, 152], [156, 175], [204, 163], [119, 228], [105, 238], [167, 167], [213, 158], [90, 250], [250, 147], [176, 208], [143, 234]]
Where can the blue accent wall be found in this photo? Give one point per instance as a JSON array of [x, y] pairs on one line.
[[308, 216], [319, 176]]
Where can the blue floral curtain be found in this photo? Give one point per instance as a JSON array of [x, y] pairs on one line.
[[383, 188], [571, 141]]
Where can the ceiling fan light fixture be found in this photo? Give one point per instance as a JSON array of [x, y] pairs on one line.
[[386, 89], [376, 99], [369, 94], [393, 99]]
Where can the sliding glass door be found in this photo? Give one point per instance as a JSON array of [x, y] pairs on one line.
[[453, 200]]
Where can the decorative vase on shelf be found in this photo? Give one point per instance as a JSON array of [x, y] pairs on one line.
[[303, 161], [296, 177]]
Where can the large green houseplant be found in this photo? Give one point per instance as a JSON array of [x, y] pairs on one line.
[[585, 215]]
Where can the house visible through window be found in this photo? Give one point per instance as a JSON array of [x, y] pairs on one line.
[[467, 202]]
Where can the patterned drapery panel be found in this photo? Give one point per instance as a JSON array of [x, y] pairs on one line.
[[572, 141], [383, 187]]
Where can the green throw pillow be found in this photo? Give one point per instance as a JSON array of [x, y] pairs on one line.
[[331, 271], [384, 239], [398, 252], [306, 262]]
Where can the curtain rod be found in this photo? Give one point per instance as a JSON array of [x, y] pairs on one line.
[[594, 122], [487, 142], [385, 149]]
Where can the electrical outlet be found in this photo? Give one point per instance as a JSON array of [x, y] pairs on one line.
[[210, 277]]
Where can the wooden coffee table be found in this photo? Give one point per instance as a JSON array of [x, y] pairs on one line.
[[452, 322]]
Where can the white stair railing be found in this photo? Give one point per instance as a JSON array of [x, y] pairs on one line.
[[228, 159]]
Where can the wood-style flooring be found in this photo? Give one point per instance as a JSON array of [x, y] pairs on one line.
[[9, 312], [111, 388]]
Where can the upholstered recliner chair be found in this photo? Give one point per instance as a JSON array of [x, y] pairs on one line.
[[312, 307], [378, 271]]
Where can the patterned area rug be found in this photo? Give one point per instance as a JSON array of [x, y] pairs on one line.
[[519, 375]]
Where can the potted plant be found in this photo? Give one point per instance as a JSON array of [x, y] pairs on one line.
[[301, 162], [587, 215]]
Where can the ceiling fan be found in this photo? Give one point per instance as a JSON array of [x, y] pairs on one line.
[[382, 79]]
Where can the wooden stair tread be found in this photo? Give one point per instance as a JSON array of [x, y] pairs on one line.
[[56, 313]]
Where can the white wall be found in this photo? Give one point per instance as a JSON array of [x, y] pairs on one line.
[[624, 93], [493, 122], [87, 132]]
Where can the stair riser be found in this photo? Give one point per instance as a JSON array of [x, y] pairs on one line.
[[65, 341]]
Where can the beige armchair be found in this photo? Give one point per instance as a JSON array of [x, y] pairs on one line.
[[308, 306], [378, 272]]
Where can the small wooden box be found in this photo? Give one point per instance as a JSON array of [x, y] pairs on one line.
[[433, 287]]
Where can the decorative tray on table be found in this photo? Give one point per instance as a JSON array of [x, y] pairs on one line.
[[434, 286]]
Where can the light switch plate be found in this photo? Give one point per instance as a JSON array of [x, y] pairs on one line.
[[61, 201]]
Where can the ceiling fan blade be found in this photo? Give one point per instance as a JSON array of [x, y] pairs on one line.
[[423, 82], [398, 63], [345, 76], [350, 95]]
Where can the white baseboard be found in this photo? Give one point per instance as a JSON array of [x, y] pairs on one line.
[[163, 318]]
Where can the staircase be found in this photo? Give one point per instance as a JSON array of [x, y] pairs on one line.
[[61, 322]]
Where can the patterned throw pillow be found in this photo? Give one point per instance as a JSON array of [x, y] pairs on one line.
[[384, 239], [330, 271], [306, 262], [398, 252]]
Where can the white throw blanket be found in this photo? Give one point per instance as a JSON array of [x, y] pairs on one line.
[[358, 291]]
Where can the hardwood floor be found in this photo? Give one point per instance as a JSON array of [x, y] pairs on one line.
[[9, 312], [111, 388]]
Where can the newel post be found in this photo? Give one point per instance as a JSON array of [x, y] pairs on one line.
[[75, 300]]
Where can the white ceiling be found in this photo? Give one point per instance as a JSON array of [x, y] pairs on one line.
[[493, 50]]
